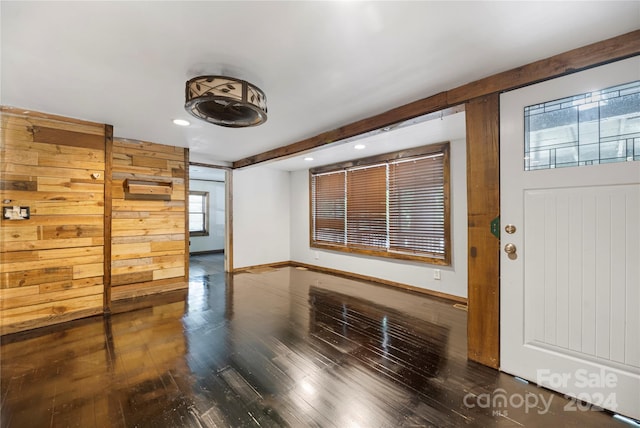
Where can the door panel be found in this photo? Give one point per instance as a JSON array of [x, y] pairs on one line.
[[570, 294], [578, 298]]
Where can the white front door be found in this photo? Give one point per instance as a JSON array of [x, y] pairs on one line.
[[570, 291]]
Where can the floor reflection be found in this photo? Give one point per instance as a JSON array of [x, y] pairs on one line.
[[283, 347], [403, 347]]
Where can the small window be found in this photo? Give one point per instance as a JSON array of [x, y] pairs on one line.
[[587, 129], [198, 213], [394, 205]]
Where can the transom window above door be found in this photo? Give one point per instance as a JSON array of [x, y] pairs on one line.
[[586, 129]]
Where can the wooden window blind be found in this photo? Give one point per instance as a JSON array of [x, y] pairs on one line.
[[394, 205], [417, 206], [328, 207], [367, 207]]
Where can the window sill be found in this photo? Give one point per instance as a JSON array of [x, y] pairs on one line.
[[384, 254]]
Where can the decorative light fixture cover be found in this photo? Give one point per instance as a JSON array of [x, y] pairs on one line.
[[226, 101]]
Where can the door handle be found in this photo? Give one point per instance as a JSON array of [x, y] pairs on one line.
[[510, 248]]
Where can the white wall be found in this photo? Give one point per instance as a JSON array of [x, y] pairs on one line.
[[215, 240], [453, 279], [260, 216]]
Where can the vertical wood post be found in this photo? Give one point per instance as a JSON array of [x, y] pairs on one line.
[[483, 205], [108, 162], [187, 235]]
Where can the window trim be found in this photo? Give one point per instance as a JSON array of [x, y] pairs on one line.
[[205, 213], [444, 148]]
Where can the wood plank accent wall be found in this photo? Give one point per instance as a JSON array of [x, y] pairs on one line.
[[483, 205], [52, 265], [148, 251]]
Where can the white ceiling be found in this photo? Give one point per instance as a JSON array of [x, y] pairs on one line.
[[321, 64]]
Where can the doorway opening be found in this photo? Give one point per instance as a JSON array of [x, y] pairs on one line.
[[209, 225]]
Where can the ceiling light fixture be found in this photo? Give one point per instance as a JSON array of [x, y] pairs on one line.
[[308, 158], [181, 122], [359, 146], [226, 101]]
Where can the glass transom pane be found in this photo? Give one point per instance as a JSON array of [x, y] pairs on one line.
[[586, 129]]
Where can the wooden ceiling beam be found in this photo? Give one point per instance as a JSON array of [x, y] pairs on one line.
[[613, 49], [408, 111]]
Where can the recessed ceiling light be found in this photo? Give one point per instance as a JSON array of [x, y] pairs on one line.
[[181, 122], [308, 158], [359, 146]]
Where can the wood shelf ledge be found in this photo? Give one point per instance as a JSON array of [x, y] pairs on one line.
[[148, 187]]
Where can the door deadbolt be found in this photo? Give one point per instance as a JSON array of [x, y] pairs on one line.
[[510, 249], [510, 229]]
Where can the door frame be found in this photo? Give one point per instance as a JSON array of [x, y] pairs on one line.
[[228, 212], [483, 186]]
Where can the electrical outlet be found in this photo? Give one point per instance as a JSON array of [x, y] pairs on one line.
[[436, 274], [16, 213], [316, 255]]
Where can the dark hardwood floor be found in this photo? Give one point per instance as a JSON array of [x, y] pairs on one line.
[[274, 347]]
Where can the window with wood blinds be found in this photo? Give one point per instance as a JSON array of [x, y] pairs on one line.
[[394, 205]]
